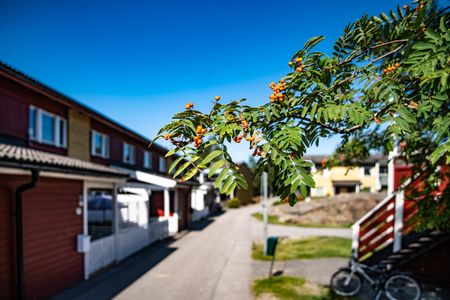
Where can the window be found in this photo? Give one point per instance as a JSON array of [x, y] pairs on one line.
[[148, 163], [100, 213], [33, 130], [162, 164], [133, 207], [129, 153], [45, 127], [367, 171], [383, 170], [99, 144]]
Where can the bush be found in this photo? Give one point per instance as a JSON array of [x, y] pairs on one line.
[[234, 203]]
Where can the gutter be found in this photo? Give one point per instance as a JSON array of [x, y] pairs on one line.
[[19, 232]]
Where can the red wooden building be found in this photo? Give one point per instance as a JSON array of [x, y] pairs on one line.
[[78, 191]]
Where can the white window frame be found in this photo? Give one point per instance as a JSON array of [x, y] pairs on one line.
[[132, 158], [38, 135], [148, 159], [105, 144], [363, 171]]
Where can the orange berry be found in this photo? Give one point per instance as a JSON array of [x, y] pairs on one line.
[[203, 130], [290, 63], [397, 65], [299, 69], [272, 100], [298, 59], [378, 120], [199, 141], [217, 98], [282, 80]]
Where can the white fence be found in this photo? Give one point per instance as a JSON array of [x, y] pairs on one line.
[[116, 247]]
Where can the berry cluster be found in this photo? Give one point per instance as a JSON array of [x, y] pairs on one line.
[[297, 63], [198, 139], [391, 68], [189, 105], [277, 89]]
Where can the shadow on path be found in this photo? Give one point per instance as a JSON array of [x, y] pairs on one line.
[[112, 281]]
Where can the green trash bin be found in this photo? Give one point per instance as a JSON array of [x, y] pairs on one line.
[[271, 245]]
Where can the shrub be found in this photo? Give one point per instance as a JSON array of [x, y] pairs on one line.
[[234, 203]]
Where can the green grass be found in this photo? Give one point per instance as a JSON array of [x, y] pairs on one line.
[[306, 248], [290, 288], [276, 221]]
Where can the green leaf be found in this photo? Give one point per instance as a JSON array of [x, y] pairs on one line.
[[220, 178], [313, 41], [182, 168], [406, 115], [175, 163], [423, 46], [189, 174], [215, 167], [432, 35], [211, 156], [172, 152], [227, 184]]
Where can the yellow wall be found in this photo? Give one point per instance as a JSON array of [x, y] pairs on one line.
[[324, 179], [78, 135]]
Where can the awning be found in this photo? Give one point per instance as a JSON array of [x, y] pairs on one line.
[[346, 182], [148, 178]]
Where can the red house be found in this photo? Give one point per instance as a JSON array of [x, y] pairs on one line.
[[78, 191]]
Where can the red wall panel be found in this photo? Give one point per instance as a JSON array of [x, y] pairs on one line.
[[51, 225], [13, 117], [50, 229], [6, 241]]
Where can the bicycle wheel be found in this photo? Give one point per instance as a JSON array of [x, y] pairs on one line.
[[343, 283], [401, 287]]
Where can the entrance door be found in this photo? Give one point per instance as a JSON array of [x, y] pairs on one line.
[[101, 229]]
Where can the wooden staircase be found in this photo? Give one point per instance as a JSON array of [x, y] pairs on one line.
[[386, 233]]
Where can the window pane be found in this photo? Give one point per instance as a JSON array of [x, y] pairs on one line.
[[126, 152], [100, 213], [162, 164], [48, 128], [32, 130], [98, 144]]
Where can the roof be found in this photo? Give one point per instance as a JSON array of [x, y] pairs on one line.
[[23, 78], [382, 159], [16, 156]]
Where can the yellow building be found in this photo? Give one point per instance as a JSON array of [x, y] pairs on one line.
[[370, 176]]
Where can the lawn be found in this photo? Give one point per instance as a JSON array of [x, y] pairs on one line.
[[290, 288], [276, 221], [306, 248]]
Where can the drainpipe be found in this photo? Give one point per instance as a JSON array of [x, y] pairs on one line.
[[19, 232]]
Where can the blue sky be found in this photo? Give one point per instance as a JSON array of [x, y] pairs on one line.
[[141, 61]]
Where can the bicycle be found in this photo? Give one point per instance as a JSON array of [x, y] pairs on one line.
[[395, 285]]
